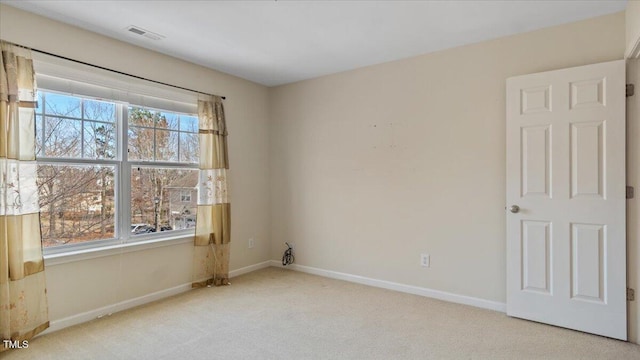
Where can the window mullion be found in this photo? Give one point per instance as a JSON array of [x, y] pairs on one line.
[[51, 160], [82, 153], [42, 124], [125, 176], [163, 164], [179, 138]]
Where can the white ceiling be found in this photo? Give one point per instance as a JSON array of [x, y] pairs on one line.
[[278, 42]]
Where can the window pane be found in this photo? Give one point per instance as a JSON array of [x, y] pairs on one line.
[[62, 137], [171, 121], [188, 123], [99, 140], [62, 105], [146, 117], [39, 129], [158, 136], [166, 145], [189, 150], [76, 203], [99, 110], [159, 199], [141, 143]]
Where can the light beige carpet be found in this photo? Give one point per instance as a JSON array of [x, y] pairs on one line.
[[281, 314]]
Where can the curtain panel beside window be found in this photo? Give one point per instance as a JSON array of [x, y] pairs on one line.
[[213, 222], [23, 299]]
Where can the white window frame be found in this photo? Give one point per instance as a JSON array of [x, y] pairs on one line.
[[59, 76]]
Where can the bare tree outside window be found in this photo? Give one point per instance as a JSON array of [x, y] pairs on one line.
[[76, 203], [76, 199], [78, 165], [161, 137]]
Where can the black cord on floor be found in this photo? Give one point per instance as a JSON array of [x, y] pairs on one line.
[[287, 258]]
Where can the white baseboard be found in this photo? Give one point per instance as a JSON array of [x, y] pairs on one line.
[[250, 268], [410, 289], [60, 324], [56, 325]]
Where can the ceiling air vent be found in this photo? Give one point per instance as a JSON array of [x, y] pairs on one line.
[[142, 32]]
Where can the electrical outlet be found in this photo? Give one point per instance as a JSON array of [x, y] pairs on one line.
[[252, 243], [425, 260]]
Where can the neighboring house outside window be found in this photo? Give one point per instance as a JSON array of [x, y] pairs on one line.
[[183, 207]]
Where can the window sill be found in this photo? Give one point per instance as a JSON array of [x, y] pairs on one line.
[[97, 252]]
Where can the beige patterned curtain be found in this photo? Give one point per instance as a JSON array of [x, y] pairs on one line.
[[23, 296], [213, 222]]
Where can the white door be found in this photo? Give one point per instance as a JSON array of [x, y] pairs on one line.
[[566, 250]]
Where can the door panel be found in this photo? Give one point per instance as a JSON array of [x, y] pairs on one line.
[[536, 255], [536, 153], [588, 262], [566, 252], [587, 159]]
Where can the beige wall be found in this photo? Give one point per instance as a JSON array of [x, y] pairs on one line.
[[374, 166], [84, 286], [632, 25], [99, 282], [633, 208]]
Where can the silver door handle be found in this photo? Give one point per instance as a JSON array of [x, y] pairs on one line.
[[514, 208]]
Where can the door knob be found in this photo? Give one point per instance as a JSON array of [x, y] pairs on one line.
[[514, 208]]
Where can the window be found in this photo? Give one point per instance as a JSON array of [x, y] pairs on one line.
[[185, 196], [106, 166]]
